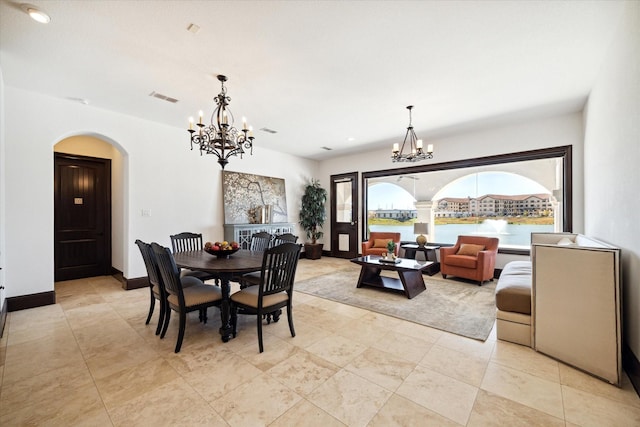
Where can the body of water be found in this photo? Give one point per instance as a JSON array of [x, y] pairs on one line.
[[509, 234]]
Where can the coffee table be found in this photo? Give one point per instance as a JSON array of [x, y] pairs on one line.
[[410, 282]]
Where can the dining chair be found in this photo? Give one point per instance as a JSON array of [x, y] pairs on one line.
[[186, 241], [156, 288], [260, 241], [274, 291], [279, 239], [184, 294]]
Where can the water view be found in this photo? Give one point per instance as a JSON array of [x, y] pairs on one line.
[[509, 234]]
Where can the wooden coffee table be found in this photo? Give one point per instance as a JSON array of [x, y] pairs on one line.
[[410, 281]]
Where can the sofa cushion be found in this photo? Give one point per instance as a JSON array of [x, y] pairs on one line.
[[469, 249], [513, 291]]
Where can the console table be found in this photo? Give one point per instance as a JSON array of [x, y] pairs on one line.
[[242, 233]]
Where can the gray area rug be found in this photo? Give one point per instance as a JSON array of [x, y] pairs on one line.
[[459, 307]]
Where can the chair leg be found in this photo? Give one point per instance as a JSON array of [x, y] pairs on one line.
[[259, 322], [167, 317], [152, 305], [183, 322], [444, 276], [290, 319], [203, 315], [163, 309]]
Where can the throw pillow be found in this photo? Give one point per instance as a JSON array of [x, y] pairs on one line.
[[469, 249], [380, 243]]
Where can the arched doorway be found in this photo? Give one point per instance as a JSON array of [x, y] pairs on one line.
[[85, 252]]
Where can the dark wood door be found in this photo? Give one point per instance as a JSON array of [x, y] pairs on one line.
[[344, 215], [82, 216]]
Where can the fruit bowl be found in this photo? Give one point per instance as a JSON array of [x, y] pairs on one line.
[[221, 253]]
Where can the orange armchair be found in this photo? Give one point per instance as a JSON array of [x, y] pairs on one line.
[[472, 257], [377, 243]]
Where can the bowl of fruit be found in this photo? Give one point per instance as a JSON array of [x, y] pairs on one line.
[[221, 249]]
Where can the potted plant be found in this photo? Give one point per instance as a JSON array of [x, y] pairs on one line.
[[312, 216]]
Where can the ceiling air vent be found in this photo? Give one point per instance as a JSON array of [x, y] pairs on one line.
[[163, 97], [268, 130], [327, 148]]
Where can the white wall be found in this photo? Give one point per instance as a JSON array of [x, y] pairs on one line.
[[612, 162], [182, 190], [565, 129]]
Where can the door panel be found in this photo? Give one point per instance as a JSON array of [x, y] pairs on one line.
[[82, 217], [344, 215]]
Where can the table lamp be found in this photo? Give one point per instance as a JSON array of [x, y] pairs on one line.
[[421, 228]]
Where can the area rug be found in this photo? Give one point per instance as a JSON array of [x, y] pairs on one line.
[[462, 308]]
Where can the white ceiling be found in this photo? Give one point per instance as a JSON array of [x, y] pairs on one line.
[[317, 72]]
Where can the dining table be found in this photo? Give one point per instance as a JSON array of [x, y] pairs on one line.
[[226, 267]]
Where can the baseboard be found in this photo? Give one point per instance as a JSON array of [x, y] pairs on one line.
[[631, 366], [23, 302], [3, 320], [135, 283]]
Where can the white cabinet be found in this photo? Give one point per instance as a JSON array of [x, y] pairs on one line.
[[242, 233]]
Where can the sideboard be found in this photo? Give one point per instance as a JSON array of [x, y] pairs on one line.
[[242, 233]]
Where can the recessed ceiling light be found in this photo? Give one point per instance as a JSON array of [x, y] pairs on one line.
[[35, 13], [351, 139]]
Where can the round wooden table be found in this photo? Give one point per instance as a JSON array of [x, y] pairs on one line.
[[237, 264]]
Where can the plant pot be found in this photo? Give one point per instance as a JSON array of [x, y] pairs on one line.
[[313, 250]]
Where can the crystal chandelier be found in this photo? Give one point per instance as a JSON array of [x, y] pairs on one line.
[[415, 152], [221, 137]]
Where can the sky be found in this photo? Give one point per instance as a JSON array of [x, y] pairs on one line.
[[390, 196]]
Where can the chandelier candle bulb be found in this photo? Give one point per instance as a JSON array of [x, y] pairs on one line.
[[430, 148], [244, 123], [200, 113], [190, 123], [396, 147], [419, 144]]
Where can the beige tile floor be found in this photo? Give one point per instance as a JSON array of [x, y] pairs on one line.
[[91, 360]]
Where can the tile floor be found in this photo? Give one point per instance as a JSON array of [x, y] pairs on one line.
[[91, 360]]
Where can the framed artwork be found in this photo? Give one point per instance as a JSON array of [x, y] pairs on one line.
[[253, 199]]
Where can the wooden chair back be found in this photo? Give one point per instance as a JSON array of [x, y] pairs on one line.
[[169, 272], [279, 266], [186, 241], [261, 241], [150, 263], [284, 238]]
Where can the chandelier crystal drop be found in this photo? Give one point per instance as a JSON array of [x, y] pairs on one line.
[[415, 151], [220, 137]]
